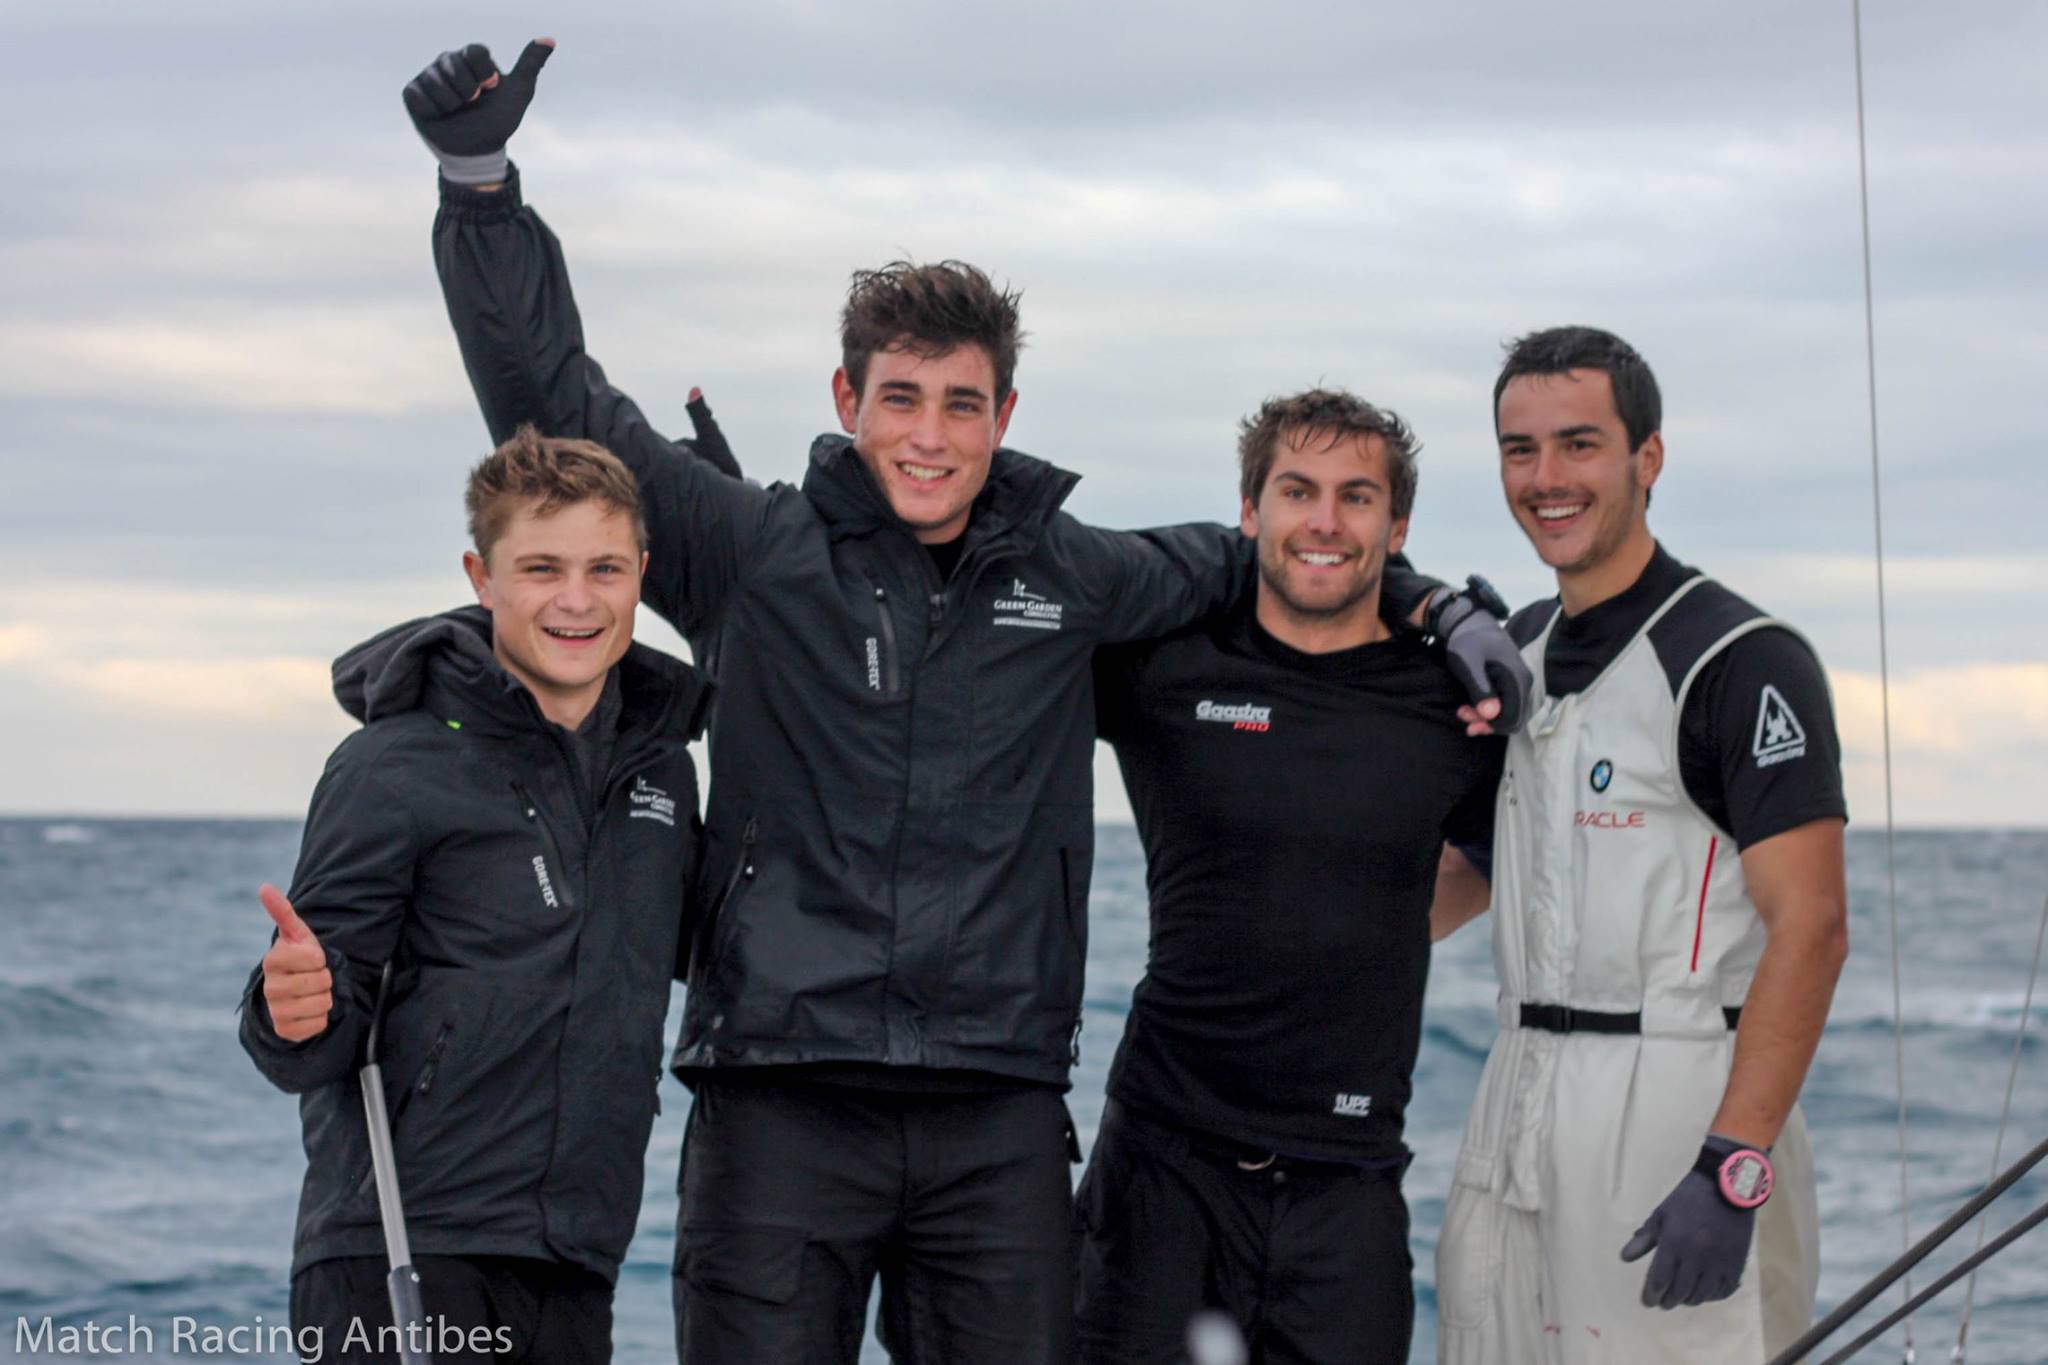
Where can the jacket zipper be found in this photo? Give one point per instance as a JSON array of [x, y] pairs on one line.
[[361, 1181], [890, 679], [741, 870], [559, 876], [426, 1080]]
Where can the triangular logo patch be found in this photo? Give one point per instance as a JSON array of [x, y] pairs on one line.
[[1779, 735]]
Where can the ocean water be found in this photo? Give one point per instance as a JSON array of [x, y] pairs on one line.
[[147, 1171]]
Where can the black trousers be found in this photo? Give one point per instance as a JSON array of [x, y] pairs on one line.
[[1310, 1258], [797, 1196], [497, 1309]]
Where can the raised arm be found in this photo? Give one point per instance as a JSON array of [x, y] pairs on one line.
[[515, 318]]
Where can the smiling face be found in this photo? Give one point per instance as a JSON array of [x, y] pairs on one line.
[[927, 428], [1574, 485], [561, 590], [1325, 526]]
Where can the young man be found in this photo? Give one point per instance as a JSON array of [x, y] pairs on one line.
[[514, 830], [885, 987], [1669, 922], [1296, 770]]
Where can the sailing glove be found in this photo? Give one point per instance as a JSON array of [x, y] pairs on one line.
[[1701, 1241], [466, 125], [709, 441], [1481, 655]]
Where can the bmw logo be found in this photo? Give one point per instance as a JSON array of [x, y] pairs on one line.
[[1603, 773]]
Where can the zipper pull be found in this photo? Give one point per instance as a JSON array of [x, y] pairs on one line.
[[938, 604]]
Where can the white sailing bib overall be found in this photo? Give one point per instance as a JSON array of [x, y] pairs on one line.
[[1612, 892]]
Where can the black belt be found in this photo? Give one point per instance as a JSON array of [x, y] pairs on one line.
[[1565, 1019]]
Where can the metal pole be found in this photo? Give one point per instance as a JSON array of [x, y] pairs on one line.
[[407, 1312]]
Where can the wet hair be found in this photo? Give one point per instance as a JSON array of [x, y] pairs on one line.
[[929, 310], [1558, 349], [560, 472], [1335, 413]]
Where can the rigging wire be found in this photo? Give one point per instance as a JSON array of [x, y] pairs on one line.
[[1920, 1250], [1891, 890], [1961, 1351], [1967, 1265]]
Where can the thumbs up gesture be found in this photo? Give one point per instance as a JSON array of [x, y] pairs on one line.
[[467, 110], [297, 987]]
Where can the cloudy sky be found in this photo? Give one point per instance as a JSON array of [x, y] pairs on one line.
[[235, 425]]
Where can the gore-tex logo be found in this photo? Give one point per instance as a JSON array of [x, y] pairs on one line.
[[1023, 607], [1612, 819]]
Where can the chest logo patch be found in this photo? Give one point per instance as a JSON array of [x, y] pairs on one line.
[[1779, 735], [652, 803], [1237, 715], [1602, 774], [1023, 607]]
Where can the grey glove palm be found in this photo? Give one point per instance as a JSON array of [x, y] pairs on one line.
[[1701, 1241], [1481, 655]]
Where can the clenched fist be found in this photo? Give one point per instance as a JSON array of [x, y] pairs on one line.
[[297, 987]]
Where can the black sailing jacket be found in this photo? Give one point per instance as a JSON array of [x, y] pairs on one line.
[[900, 826], [533, 952]]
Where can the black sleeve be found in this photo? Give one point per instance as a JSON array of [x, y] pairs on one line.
[[352, 886], [1757, 745], [1402, 589], [1116, 689], [507, 288], [1469, 826]]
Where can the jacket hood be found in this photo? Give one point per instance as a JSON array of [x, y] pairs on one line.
[[445, 663], [388, 673], [1021, 494]]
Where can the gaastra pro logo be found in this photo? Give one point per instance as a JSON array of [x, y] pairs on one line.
[[1779, 735], [1237, 715], [1352, 1106], [1026, 608], [652, 803], [547, 887]]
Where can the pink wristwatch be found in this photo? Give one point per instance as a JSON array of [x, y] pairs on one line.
[[1743, 1176]]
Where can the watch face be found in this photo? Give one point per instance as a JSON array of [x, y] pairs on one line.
[[1746, 1179]]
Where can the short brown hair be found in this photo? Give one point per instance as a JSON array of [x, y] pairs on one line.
[[559, 471], [1337, 413], [929, 310]]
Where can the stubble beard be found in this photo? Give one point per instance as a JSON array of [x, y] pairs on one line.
[[1312, 613]]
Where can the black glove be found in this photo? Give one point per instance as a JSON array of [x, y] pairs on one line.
[[710, 441], [467, 126], [1482, 657], [1700, 1238]]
